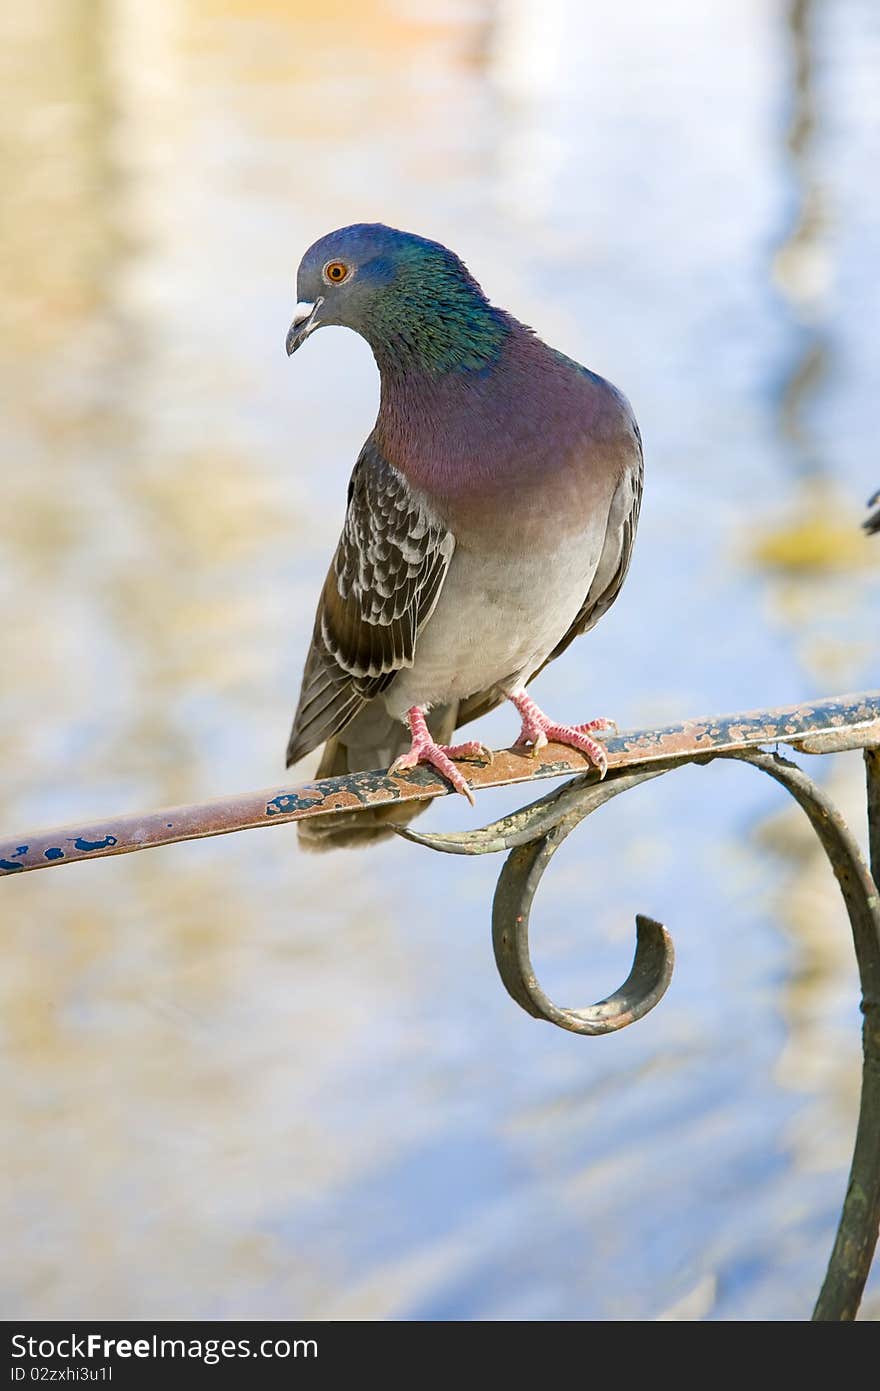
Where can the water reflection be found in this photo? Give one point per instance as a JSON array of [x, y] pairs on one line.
[[243, 1082], [814, 552], [801, 264]]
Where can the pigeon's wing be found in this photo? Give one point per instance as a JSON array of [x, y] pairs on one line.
[[609, 576], [872, 523], [380, 591]]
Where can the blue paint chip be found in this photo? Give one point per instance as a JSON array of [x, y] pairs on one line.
[[10, 866], [53, 853], [82, 844]]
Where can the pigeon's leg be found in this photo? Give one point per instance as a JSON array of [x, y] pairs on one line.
[[538, 729], [439, 756]]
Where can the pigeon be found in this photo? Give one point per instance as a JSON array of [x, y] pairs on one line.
[[490, 521], [872, 523]]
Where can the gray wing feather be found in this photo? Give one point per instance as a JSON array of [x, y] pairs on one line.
[[380, 591]]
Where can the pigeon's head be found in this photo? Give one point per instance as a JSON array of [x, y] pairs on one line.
[[411, 299]]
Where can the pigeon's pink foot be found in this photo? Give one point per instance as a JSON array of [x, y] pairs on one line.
[[538, 729], [439, 756]]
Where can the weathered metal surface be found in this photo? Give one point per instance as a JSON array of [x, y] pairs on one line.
[[120, 835], [839, 740], [518, 883], [533, 836], [581, 795]]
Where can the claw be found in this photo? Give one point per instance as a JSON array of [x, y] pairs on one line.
[[439, 756], [530, 746], [538, 729]]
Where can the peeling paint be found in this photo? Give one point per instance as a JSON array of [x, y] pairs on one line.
[[90, 845], [691, 741]]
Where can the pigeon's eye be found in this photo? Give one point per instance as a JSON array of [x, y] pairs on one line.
[[336, 272]]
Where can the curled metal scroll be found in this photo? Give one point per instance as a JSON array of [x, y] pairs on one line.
[[643, 988], [532, 837]]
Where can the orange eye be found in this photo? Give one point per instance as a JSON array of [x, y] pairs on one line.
[[335, 272]]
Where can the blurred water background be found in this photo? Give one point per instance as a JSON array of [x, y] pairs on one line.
[[242, 1082]]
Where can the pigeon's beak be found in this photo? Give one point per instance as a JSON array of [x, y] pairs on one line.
[[305, 318]]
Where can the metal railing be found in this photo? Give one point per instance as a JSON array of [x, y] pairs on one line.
[[531, 837]]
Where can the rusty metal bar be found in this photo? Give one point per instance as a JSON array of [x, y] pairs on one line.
[[852, 720]]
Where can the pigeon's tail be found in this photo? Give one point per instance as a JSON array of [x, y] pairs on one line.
[[372, 740]]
